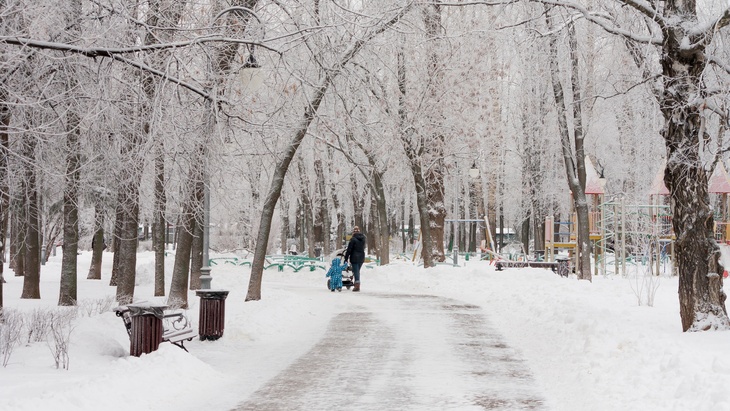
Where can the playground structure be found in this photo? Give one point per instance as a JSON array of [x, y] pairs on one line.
[[563, 235], [626, 236], [621, 235], [639, 236], [719, 187]]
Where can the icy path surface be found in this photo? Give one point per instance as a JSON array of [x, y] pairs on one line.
[[403, 352]]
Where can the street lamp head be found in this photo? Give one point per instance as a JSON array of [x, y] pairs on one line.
[[251, 62], [474, 171], [250, 76]]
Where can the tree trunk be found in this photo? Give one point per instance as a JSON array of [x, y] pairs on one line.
[[414, 159], [284, 210], [159, 224], [434, 172], [358, 204], [32, 250], [323, 209], [5, 117], [336, 206], [382, 218], [68, 293], [69, 264], [255, 167], [196, 256], [118, 219], [372, 233], [178, 295], [701, 296], [162, 16], [574, 162], [128, 238], [17, 235], [300, 226], [379, 240], [307, 221], [282, 166], [97, 243]]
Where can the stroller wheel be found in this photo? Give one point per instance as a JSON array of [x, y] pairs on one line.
[[328, 284]]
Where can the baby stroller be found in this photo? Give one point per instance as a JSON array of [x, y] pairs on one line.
[[348, 279]]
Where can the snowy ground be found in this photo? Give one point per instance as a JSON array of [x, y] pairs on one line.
[[587, 345]]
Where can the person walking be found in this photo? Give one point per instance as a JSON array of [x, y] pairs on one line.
[[355, 254]]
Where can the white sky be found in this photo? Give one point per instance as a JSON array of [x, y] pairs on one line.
[[587, 345]]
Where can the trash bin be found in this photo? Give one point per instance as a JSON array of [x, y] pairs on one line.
[[212, 313], [563, 266], [146, 328]]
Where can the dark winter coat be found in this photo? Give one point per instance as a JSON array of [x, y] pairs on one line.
[[355, 253]]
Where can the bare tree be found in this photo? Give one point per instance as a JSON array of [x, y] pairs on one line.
[[282, 166], [685, 102], [69, 267], [573, 154]]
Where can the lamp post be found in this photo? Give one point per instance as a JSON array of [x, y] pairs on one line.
[[247, 75], [455, 226], [474, 175], [212, 302]]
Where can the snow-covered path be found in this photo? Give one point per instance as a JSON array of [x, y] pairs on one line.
[[405, 352]]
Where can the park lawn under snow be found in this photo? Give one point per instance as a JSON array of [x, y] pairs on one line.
[[588, 345]]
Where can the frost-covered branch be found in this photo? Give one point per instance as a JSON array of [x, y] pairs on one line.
[[111, 51], [602, 20], [719, 63]]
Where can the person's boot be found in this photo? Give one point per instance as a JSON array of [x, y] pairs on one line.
[[356, 287]]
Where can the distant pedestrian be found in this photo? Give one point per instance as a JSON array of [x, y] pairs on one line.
[[335, 273], [355, 254]]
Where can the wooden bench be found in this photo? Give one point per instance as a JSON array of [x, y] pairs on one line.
[[500, 265], [176, 326], [296, 262], [228, 260]]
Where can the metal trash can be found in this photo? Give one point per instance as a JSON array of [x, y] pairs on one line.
[[146, 328], [563, 266], [212, 313]]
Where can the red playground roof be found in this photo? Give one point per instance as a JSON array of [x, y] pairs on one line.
[[657, 186], [594, 184], [719, 181]]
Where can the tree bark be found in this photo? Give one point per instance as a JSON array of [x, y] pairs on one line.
[[306, 199], [31, 231], [701, 297], [284, 210], [414, 155], [97, 247], [574, 162], [68, 292], [323, 209], [190, 217], [5, 117], [118, 217], [196, 256], [433, 174]]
